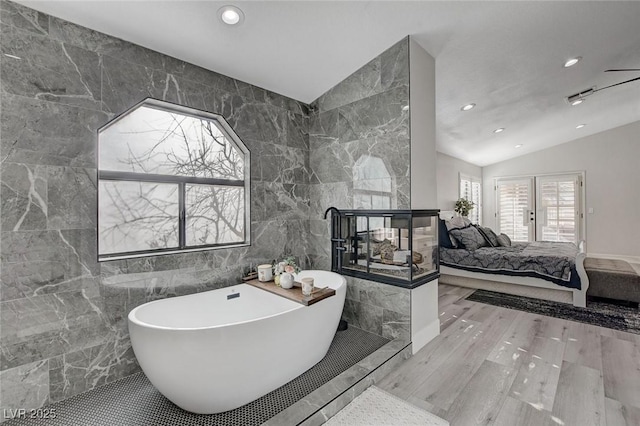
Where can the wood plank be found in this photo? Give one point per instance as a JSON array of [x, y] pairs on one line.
[[536, 383], [450, 314], [622, 335], [294, 293], [452, 295], [515, 412], [621, 370], [525, 342], [580, 396], [480, 312], [583, 346], [426, 406], [447, 299], [553, 328], [483, 396], [443, 385], [619, 414], [412, 373], [535, 348]]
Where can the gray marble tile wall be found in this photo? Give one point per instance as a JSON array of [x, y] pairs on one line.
[[378, 308], [63, 315], [360, 140]]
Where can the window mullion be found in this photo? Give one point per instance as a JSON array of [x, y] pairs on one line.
[[182, 221], [150, 177]]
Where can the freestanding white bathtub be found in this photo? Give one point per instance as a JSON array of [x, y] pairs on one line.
[[209, 353]]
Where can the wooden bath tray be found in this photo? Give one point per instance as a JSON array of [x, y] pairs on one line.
[[294, 293]]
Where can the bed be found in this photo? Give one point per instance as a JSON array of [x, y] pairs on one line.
[[544, 270]]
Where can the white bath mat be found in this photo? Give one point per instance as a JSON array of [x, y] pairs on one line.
[[375, 407]]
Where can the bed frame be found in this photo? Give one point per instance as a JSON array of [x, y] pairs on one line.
[[522, 286]]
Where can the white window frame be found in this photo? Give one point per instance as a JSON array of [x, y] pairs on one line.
[[476, 213]]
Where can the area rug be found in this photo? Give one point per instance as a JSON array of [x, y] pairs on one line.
[[597, 313], [375, 407]]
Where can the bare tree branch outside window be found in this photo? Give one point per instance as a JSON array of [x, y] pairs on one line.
[[155, 164]]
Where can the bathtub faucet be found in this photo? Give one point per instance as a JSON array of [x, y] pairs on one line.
[[336, 239], [330, 209]]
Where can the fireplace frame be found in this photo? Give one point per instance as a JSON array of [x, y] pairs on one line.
[[347, 240]]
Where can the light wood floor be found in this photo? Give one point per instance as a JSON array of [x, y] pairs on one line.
[[496, 366]]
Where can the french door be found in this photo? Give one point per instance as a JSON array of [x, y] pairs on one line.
[[541, 208], [558, 208], [515, 208]]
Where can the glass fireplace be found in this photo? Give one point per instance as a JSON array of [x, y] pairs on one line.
[[398, 247]]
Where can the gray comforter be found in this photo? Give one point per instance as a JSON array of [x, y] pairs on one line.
[[552, 261]]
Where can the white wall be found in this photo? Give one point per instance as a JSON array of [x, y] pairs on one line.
[[449, 169], [611, 160], [422, 95], [425, 322]]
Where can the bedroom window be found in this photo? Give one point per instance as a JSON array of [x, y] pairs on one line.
[[170, 179], [471, 189]]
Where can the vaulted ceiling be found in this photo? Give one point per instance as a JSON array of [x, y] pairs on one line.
[[506, 57]]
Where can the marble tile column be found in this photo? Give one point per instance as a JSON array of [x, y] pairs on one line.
[[363, 120]]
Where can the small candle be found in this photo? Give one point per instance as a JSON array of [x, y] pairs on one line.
[[307, 286], [265, 273]]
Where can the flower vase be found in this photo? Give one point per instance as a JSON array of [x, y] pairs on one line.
[[276, 279], [286, 280]]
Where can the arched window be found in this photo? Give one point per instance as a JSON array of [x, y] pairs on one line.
[[170, 179], [372, 184]]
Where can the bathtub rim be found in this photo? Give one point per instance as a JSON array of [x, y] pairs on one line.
[[131, 317], [134, 319]]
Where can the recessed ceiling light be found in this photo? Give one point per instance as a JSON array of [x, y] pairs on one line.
[[500, 130], [518, 146], [405, 108], [578, 98], [468, 107], [571, 62], [231, 15], [580, 126]]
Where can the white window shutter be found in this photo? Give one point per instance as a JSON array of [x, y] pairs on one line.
[[513, 199], [471, 189]]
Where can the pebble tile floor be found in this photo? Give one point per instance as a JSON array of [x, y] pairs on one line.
[[133, 401]]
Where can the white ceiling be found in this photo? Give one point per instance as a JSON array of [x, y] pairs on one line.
[[507, 57]]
